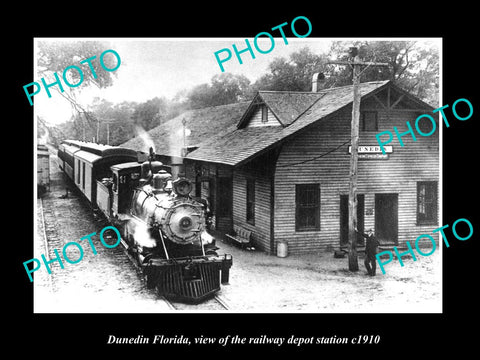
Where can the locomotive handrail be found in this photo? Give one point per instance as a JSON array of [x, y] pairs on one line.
[[163, 243]]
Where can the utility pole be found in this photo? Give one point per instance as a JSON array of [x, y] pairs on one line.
[[184, 123], [106, 122], [98, 129], [356, 65]]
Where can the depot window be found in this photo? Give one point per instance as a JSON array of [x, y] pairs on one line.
[[307, 207], [369, 121], [264, 114], [426, 202], [251, 201]]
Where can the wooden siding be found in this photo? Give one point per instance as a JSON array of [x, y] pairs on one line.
[[416, 161], [43, 170], [256, 118], [209, 182], [261, 228], [190, 175]]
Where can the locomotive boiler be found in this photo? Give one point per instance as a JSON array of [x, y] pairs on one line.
[[168, 237]]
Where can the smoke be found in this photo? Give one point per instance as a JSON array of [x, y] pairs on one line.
[[178, 137], [180, 132], [142, 235], [140, 231], [147, 140]]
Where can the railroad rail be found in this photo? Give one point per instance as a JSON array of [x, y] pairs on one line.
[[214, 303]]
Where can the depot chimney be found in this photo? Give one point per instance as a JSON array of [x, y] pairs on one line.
[[318, 82]]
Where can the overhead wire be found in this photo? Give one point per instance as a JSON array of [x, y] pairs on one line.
[[316, 157]]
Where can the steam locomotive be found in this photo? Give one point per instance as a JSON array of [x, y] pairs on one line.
[[164, 229]]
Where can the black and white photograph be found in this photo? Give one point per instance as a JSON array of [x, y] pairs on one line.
[[211, 181], [232, 185]]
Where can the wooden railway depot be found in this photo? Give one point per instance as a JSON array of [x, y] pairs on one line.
[[259, 282], [278, 166]]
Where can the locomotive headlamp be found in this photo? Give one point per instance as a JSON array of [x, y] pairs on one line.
[[186, 223], [182, 186]]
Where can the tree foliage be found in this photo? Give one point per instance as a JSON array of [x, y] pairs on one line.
[[223, 89], [150, 113], [293, 74], [55, 56], [413, 66]]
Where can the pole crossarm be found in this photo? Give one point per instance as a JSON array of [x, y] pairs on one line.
[[353, 63]]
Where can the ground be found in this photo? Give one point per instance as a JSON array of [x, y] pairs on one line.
[[315, 282], [321, 283]]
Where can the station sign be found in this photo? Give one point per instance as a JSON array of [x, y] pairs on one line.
[[372, 152]]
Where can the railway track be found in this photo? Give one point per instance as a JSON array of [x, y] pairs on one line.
[[64, 219], [215, 303], [53, 240]]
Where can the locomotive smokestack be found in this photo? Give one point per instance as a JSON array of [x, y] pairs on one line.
[[149, 167]]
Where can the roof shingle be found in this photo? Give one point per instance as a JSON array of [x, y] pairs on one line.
[[219, 133], [237, 146], [202, 124]]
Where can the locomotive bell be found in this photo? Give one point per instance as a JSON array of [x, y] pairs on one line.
[[150, 167]]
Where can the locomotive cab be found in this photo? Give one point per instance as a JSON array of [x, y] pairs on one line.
[[125, 177]]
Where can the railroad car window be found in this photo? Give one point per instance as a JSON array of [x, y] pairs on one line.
[[369, 121], [114, 187], [426, 202], [307, 207], [251, 201], [78, 171], [83, 176]]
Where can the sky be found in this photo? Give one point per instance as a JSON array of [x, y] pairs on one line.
[[161, 67]]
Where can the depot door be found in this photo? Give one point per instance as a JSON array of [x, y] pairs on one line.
[[386, 218], [224, 221]]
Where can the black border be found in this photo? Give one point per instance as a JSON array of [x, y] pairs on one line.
[[406, 333]]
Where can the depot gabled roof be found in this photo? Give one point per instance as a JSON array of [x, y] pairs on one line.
[[221, 134], [200, 125], [294, 110]]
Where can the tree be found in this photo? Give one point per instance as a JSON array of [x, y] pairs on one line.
[[150, 113], [293, 74], [55, 56], [223, 89], [413, 66], [114, 124]]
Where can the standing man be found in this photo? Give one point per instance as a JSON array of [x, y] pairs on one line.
[[370, 251]]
